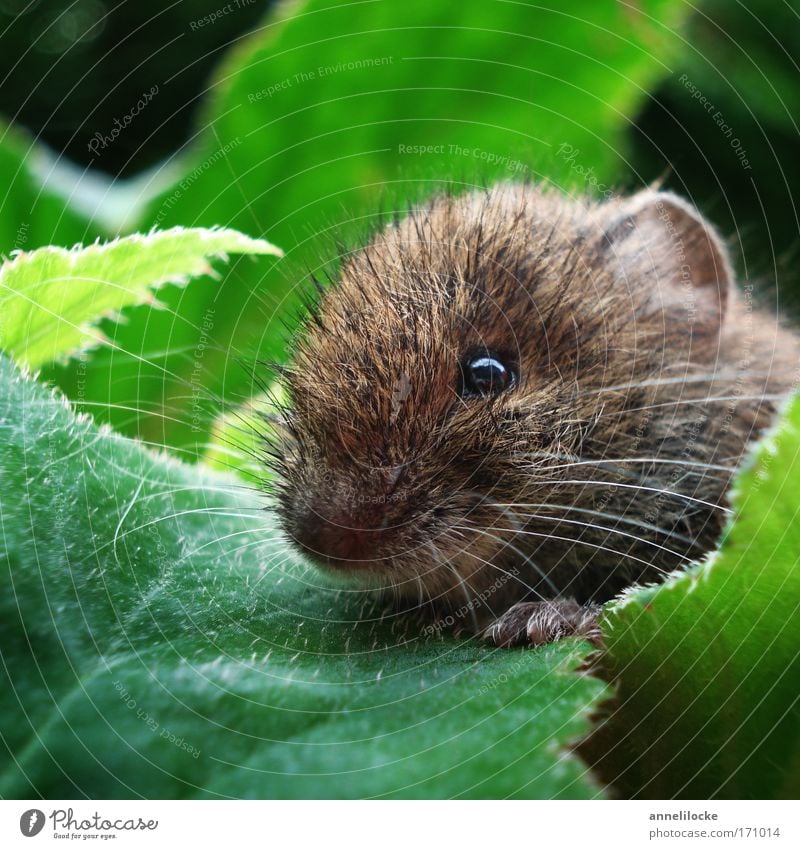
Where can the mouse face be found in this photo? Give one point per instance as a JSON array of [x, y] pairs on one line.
[[482, 394]]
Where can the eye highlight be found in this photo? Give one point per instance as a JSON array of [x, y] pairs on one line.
[[485, 375]]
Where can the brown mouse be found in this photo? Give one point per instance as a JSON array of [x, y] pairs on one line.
[[513, 404]]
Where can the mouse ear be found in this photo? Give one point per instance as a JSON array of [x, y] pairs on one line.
[[661, 239]]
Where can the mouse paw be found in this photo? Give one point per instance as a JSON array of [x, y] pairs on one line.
[[534, 623]]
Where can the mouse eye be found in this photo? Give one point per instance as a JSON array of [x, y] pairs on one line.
[[486, 375]]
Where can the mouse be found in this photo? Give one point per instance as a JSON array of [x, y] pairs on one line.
[[515, 402]]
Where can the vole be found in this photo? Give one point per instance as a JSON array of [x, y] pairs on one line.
[[515, 403]]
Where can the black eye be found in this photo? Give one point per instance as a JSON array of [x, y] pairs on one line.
[[486, 375]]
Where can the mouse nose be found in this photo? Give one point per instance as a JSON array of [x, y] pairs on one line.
[[335, 540]]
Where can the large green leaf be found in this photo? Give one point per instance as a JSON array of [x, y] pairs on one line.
[[709, 663], [319, 115], [157, 639], [48, 296]]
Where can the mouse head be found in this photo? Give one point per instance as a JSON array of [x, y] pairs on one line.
[[467, 348]]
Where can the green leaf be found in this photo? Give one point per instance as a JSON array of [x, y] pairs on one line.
[[708, 664], [238, 437], [330, 111], [49, 296], [31, 213], [158, 639]]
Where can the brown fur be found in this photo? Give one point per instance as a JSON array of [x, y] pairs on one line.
[[643, 375]]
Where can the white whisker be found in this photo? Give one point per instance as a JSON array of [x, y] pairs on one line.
[[502, 571], [635, 522], [657, 460], [637, 487], [703, 401], [584, 542], [610, 531], [707, 377], [507, 544]]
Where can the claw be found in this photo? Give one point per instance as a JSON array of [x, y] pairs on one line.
[[537, 623]]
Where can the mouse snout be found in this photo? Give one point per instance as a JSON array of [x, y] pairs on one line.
[[338, 538], [330, 541]]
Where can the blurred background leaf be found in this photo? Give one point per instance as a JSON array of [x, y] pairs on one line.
[[32, 214], [72, 67], [736, 154]]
